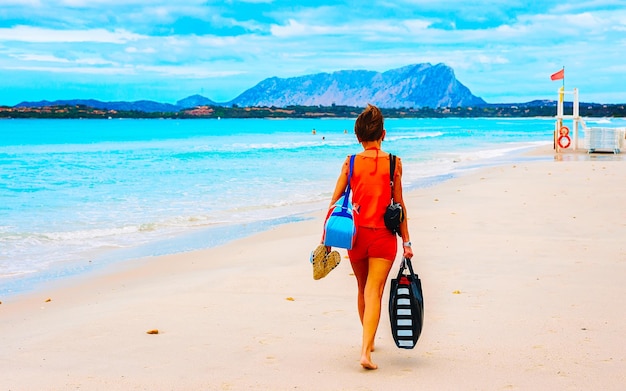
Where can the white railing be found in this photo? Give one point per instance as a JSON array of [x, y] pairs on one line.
[[599, 139]]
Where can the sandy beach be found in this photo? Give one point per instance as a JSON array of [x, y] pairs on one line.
[[522, 267]]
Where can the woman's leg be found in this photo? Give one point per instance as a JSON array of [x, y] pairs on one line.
[[360, 268], [376, 277]]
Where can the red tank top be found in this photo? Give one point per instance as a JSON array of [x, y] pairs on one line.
[[371, 190]]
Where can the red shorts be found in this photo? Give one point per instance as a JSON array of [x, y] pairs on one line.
[[374, 243]]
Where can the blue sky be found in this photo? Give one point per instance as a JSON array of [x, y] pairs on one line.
[[164, 50]]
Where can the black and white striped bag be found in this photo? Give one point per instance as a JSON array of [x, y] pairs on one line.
[[406, 306]]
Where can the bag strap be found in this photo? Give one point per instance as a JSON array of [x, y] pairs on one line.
[[346, 193], [406, 263], [352, 157], [392, 169], [410, 266]]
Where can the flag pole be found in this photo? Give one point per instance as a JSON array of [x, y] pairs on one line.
[[563, 77]]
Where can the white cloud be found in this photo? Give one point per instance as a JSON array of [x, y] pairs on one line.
[[27, 3], [48, 58], [223, 42], [97, 4], [250, 1], [380, 30], [297, 29], [95, 61], [416, 25], [39, 58], [487, 59], [580, 6], [42, 35], [76, 70], [185, 72], [132, 49], [193, 72]]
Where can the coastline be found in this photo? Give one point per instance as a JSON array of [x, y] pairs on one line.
[[535, 250]]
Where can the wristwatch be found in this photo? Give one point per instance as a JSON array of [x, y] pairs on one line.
[[406, 244]]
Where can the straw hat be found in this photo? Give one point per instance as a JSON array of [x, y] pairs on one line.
[[323, 262]]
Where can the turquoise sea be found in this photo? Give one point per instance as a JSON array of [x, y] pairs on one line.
[[80, 194]]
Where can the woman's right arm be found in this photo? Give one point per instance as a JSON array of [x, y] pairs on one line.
[[404, 226]]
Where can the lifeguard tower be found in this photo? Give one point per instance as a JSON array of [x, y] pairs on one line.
[[597, 139]]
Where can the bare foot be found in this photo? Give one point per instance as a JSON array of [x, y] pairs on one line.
[[367, 363]]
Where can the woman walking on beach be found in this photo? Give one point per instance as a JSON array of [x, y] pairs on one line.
[[375, 246]]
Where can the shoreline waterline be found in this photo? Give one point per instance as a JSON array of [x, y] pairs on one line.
[[78, 194]]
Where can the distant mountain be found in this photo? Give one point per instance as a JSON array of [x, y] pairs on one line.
[[413, 86], [195, 101], [420, 85], [147, 106], [546, 103]]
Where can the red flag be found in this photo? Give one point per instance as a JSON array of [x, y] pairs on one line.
[[558, 75]]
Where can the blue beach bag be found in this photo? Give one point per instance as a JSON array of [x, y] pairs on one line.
[[340, 226]]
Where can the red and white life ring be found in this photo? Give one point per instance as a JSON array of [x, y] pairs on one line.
[[565, 144], [564, 131]]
